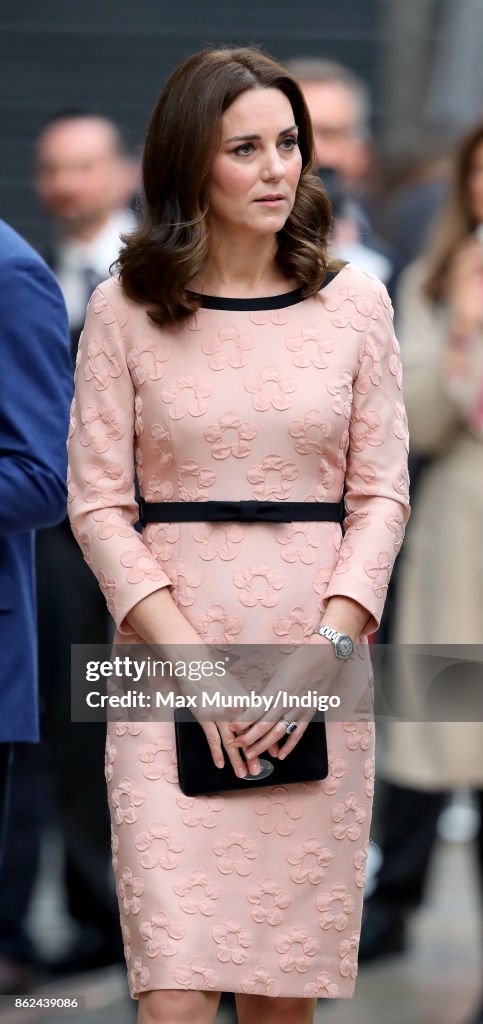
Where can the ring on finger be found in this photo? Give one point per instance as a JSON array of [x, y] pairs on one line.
[[290, 727]]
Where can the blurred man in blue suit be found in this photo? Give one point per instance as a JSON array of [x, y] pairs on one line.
[[35, 394]]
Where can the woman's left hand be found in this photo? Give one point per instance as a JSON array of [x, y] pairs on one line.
[[298, 672]]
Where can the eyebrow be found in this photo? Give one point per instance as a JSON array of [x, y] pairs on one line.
[[248, 138]]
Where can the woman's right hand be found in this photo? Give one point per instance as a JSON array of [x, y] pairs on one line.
[[221, 741], [465, 288]]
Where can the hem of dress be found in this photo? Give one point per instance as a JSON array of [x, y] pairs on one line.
[[348, 992]]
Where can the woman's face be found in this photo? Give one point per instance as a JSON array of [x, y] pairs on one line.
[[475, 184], [255, 173]]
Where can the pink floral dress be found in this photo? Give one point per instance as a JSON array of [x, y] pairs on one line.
[[279, 399]]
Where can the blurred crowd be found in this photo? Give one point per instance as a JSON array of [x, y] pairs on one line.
[[423, 237]]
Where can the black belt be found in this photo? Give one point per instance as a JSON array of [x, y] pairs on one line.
[[246, 511]]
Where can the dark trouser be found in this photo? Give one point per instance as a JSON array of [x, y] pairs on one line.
[[406, 836], [71, 609], [26, 817], [6, 755]]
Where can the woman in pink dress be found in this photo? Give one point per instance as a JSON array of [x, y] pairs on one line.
[[230, 360]]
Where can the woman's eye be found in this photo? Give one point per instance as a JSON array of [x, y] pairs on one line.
[[289, 143], [244, 150]]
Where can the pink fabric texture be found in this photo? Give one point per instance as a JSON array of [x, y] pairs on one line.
[[252, 892]]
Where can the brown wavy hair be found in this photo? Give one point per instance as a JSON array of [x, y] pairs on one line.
[[171, 245], [456, 221]]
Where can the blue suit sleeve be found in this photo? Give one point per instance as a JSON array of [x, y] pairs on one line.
[[35, 394]]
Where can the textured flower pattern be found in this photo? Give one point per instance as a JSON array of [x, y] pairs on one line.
[[163, 540], [110, 757], [111, 524], [102, 365], [218, 626], [310, 862], [106, 485], [380, 572], [126, 799], [232, 941], [369, 777], [348, 956], [358, 735], [162, 935], [351, 309], [130, 889], [322, 988], [157, 488], [259, 585], [158, 760], [227, 348], [230, 437], [186, 397], [235, 853], [337, 770], [348, 816], [198, 894], [298, 542], [270, 390], [277, 812], [196, 975], [138, 976], [360, 861], [341, 390], [297, 949], [200, 810], [311, 348], [269, 901], [114, 849], [295, 627], [160, 443], [159, 847], [400, 424], [193, 480], [310, 434], [272, 478], [246, 891], [218, 540], [145, 361], [187, 582], [140, 567], [370, 367], [260, 983], [99, 428], [335, 907]]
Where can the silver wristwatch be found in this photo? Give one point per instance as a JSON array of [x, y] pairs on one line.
[[343, 645]]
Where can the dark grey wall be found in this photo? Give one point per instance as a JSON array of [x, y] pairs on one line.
[[112, 56]]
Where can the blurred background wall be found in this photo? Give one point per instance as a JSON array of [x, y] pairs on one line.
[[112, 57]]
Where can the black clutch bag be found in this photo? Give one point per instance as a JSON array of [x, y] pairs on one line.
[[198, 775]]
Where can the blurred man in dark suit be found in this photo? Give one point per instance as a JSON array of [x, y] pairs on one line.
[[35, 396], [85, 179], [339, 104]]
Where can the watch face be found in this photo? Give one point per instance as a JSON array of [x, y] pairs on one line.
[[344, 646]]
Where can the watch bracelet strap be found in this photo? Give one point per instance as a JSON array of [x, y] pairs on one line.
[[329, 633]]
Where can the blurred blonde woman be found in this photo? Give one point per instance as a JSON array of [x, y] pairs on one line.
[[440, 592]]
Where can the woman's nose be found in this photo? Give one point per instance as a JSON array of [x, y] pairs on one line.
[[273, 166]]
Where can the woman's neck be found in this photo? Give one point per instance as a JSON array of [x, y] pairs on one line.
[[242, 268]]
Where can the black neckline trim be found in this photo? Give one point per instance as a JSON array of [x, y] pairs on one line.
[[265, 302]]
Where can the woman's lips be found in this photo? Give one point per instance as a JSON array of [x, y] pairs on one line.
[[271, 201]]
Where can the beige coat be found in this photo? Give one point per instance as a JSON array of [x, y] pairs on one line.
[[440, 586]]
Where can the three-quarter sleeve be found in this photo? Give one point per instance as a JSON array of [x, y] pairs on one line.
[[377, 481], [101, 503]]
